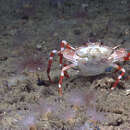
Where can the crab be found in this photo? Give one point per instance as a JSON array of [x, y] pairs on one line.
[[91, 59]]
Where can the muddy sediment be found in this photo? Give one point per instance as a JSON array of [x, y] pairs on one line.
[[29, 31]]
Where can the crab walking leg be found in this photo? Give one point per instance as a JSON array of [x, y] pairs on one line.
[[65, 72], [64, 44], [62, 76], [50, 63], [119, 77], [127, 58]]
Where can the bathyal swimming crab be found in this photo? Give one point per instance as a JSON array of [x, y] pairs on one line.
[[91, 59]]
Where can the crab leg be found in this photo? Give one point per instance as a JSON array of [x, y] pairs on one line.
[[65, 72], [50, 63], [64, 45], [62, 76], [127, 58], [119, 77]]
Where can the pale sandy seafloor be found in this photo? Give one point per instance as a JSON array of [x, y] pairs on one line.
[[29, 30]]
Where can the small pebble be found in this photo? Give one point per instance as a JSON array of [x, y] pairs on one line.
[[127, 92], [38, 46]]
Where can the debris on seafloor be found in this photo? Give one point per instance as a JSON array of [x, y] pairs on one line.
[[95, 115], [68, 115], [79, 98], [28, 121], [87, 126], [44, 108]]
